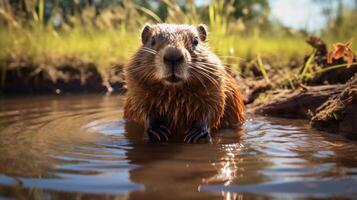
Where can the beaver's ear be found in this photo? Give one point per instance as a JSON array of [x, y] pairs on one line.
[[146, 33], [202, 31]]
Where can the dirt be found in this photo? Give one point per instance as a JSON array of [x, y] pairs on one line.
[[331, 108], [299, 103], [328, 99], [67, 75], [339, 113]]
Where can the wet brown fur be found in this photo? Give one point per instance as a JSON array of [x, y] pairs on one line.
[[217, 102]]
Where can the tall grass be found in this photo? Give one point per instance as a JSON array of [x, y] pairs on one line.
[[104, 42]]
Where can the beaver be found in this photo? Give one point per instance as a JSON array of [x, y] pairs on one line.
[[177, 85]]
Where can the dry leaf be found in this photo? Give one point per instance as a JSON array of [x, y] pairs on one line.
[[341, 50]]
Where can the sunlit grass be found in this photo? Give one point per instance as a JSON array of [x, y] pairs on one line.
[[244, 47], [107, 44], [104, 48], [115, 46]]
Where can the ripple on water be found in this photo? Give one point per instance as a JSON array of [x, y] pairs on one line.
[[76, 146]]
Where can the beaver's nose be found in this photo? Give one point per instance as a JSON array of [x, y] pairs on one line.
[[173, 57]]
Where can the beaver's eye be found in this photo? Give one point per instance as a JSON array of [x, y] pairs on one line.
[[153, 42], [195, 41]]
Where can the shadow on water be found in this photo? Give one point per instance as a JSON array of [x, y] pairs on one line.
[[79, 148]]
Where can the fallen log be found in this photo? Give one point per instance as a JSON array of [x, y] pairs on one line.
[[300, 103], [339, 113]]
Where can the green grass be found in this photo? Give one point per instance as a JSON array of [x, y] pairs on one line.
[[108, 45], [116, 46], [101, 47], [234, 45]]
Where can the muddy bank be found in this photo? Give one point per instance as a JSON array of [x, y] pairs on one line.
[[60, 76], [339, 113], [331, 108], [300, 103], [328, 99]]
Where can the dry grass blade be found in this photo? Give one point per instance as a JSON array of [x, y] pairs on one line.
[[262, 68]]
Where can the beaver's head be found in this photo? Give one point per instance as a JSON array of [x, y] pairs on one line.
[[174, 54]]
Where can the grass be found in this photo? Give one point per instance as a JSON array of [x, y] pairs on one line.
[[101, 47], [262, 68], [109, 45], [306, 67], [115, 46]]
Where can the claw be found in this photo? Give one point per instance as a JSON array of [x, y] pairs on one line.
[[154, 137], [158, 133], [197, 133], [189, 136], [166, 129]]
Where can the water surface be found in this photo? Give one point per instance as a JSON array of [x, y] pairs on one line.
[[79, 147]]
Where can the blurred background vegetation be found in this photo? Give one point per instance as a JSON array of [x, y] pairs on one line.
[[106, 32]]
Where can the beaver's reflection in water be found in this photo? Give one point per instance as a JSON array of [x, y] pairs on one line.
[[180, 169]]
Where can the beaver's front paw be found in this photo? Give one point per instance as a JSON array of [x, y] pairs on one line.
[[158, 133], [198, 133]]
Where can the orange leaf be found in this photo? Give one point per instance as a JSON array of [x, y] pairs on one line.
[[341, 50]]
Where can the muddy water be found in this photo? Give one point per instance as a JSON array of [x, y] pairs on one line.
[[79, 148]]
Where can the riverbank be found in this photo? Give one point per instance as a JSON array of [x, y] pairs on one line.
[[327, 98], [311, 88], [59, 76]]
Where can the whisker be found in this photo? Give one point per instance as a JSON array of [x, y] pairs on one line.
[[204, 75], [212, 64], [228, 69], [146, 77], [200, 80], [204, 68], [148, 51], [153, 50], [135, 69], [208, 76], [202, 72], [225, 65]]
